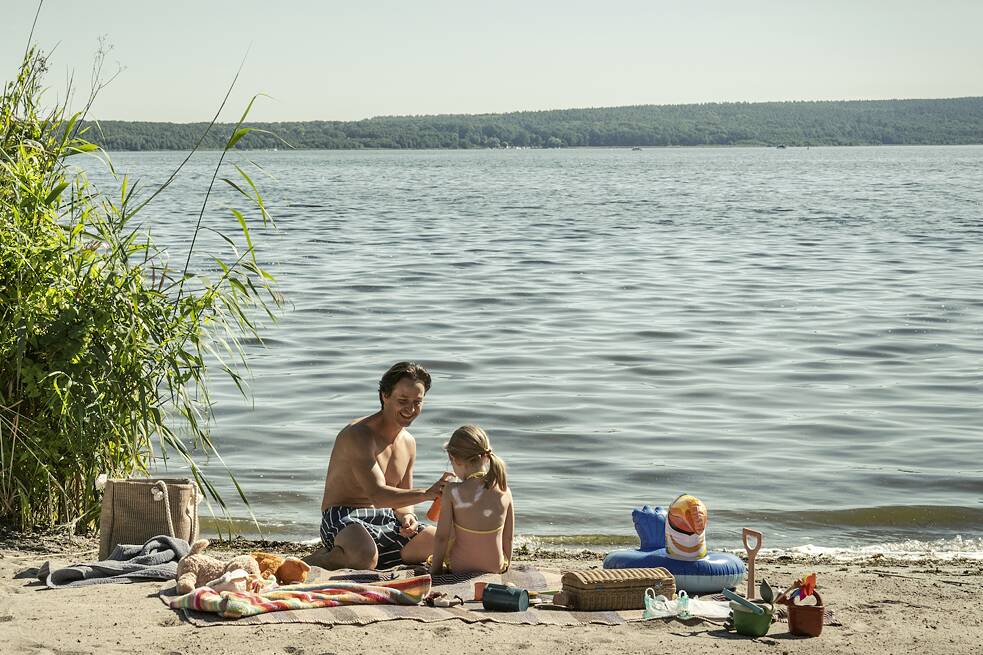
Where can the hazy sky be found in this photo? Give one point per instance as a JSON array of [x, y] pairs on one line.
[[350, 60]]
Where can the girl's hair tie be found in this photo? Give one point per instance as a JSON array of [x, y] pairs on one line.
[[488, 452]]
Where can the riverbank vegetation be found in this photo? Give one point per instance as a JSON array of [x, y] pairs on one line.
[[105, 348], [953, 121]]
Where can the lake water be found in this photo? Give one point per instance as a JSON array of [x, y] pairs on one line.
[[792, 335]]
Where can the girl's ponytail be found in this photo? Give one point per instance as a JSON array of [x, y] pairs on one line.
[[469, 443], [496, 472]]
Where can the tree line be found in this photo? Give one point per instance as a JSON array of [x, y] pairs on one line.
[[952, 121]]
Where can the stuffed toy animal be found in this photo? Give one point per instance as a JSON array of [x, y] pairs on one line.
[[238, 580], [197, 569], [286, 570]]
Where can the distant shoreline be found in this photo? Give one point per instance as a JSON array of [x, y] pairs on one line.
[[952, 121], [629, 148]]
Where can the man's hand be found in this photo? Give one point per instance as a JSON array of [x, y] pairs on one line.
[[437, 487], [410, 526]]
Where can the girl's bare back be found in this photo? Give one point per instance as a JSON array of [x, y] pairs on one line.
[[482, 528]]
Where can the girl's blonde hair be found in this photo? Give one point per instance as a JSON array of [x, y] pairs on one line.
[[470, 443]]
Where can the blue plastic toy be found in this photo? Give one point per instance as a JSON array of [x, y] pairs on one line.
[[712, 574]]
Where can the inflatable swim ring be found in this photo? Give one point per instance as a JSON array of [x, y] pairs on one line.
[[711, 574]]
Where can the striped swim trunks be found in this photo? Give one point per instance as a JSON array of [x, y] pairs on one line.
[[381, 524]]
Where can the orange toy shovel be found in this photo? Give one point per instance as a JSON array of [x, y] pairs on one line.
[[751, 554]]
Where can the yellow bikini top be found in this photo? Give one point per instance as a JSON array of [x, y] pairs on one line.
[[458, 526]]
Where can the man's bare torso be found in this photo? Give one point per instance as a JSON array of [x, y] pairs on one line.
[[358, 445]]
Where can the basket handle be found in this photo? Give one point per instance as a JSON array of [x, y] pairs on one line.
[[159, 492]]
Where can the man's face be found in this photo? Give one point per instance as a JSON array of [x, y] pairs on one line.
[[404, 404]]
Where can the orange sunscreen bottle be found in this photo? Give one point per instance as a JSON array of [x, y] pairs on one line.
[[434, 512]]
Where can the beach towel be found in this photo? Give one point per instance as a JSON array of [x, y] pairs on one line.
[[333, 593], [154, 560], [520, 574]]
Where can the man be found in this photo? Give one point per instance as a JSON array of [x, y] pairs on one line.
[[367, 517]]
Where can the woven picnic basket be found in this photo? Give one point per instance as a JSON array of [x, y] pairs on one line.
[[614, 589], [137, 509]]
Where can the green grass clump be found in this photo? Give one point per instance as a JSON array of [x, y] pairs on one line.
[[103, 365]]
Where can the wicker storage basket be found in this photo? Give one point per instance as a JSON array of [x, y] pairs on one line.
[[137, 509], [614, 589]]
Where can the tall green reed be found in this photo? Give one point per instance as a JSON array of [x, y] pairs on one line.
[[106, 349]]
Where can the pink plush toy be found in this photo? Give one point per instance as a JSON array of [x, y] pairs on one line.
[[197, 569]]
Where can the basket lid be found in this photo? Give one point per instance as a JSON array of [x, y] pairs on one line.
[[615, 578]]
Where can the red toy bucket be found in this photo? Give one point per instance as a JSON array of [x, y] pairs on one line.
[[805, 620]]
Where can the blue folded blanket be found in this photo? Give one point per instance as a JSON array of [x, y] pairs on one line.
[[155, 560]]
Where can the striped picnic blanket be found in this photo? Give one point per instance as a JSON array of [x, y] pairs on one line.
[[520, 574], [333, 593]]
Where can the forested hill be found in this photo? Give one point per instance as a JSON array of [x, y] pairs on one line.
[[869, 122]]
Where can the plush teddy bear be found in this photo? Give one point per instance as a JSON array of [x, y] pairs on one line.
[[196, 569], [286, 570]]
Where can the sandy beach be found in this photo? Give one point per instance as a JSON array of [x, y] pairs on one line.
[[885, 606]]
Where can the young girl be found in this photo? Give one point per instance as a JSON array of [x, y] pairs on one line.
[[474, 531]]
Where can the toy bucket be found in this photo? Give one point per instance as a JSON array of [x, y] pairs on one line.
[[805, 620], [479, 589], [750, 624], [502, 598]]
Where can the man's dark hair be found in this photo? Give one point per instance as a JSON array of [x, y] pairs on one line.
[[399, 371]]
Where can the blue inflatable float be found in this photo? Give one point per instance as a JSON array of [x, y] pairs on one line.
[[712, 574]]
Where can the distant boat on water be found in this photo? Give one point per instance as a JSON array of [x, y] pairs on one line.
[[781, 146], [636, 148]]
